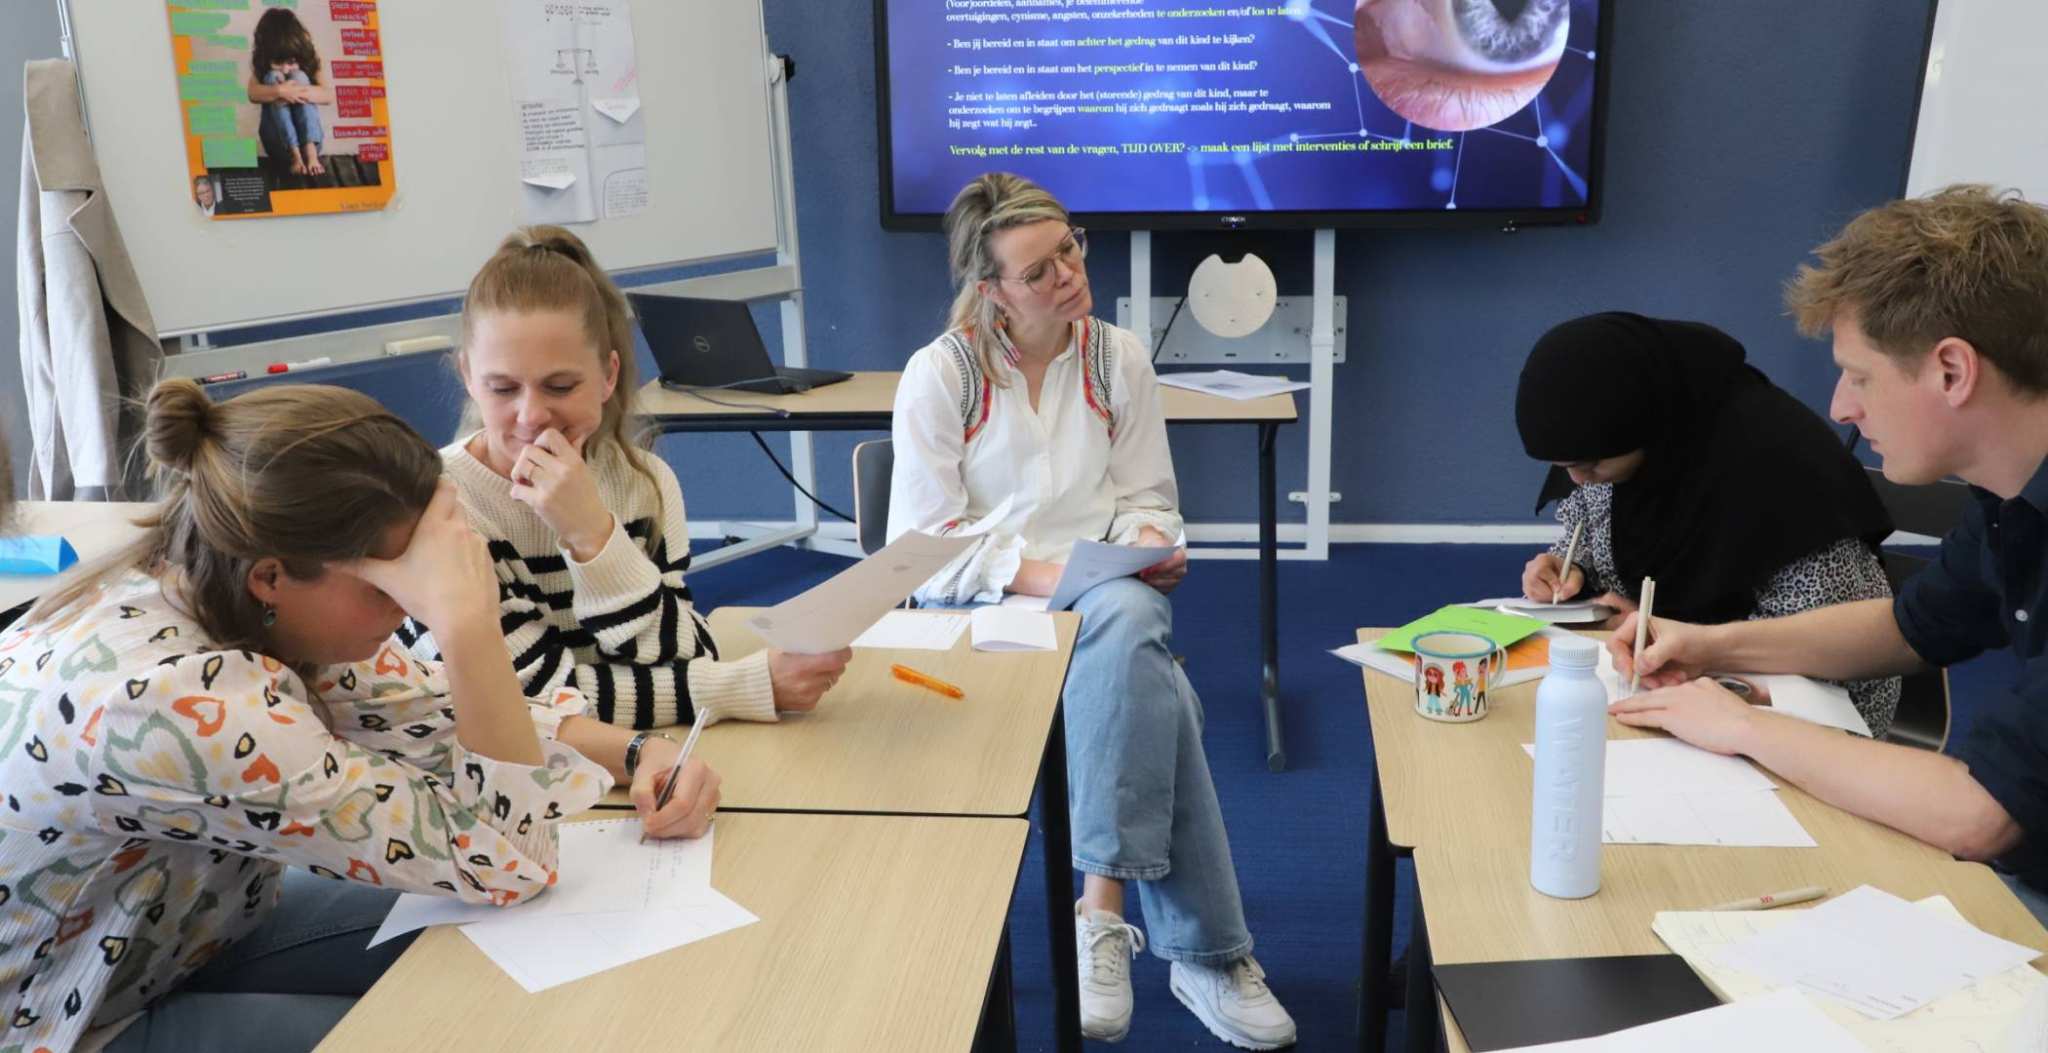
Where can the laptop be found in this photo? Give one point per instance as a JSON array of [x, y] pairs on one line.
[[715, 344]]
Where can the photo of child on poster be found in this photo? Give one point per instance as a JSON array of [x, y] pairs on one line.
[[284, 107]]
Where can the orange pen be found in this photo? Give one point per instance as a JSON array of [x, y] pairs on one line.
[[912, 676]]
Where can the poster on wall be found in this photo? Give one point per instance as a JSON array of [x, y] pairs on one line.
[[283, 106], [575, 84]]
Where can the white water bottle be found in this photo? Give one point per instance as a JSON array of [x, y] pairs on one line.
[[1571, 759]]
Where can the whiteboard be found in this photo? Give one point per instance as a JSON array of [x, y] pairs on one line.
[[704, 90], [1984, 99]]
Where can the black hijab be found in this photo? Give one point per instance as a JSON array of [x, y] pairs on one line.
[[1739, 479]]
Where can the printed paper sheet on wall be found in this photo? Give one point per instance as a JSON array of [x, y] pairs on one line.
[[576, 86]]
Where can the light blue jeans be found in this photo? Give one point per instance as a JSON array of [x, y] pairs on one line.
[[1139, 797], [283, 986], [285, 126]]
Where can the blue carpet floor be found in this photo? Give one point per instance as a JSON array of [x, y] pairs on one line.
[[1299, 836]]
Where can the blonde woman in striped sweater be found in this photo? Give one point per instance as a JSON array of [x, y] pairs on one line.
[[586, 528]]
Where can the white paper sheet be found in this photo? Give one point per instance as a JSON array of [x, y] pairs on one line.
[[1000, 628], [831, 614], [2007, 1013], [554, 162], [1744, 819], [540, 953], [1810, 699], [1875, 952], [1795, 696], [914, 631], [1094, 562], [1781, 1022], [1665, 792], [1023, 602], [582, 135], [1667, 766], [603, 868], [1231, 384]]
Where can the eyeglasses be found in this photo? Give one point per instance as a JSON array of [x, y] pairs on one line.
[[1041, 275]]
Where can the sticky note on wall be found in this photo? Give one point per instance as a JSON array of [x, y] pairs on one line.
[[210, 119], [230, 151]]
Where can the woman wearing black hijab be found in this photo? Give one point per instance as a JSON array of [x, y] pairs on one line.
[[1687, 465]]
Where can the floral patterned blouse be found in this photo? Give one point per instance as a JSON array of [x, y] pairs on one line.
[[153, 788]]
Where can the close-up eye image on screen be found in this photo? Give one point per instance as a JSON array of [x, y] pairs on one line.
[[1459, 64], [1186, 114]]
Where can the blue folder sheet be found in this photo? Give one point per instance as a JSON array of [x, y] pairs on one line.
[[38, 554]]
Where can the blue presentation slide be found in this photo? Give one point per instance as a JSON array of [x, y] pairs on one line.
[[1165, 106]]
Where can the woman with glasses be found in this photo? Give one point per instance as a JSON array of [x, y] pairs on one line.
[[1030, 411]]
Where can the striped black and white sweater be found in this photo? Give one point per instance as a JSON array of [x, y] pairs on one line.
[[620, 628]]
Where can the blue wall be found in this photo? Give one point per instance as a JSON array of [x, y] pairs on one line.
[[1740, 135]]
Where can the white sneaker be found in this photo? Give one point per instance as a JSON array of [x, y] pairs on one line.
[[1235, 1003], [1106, 946]]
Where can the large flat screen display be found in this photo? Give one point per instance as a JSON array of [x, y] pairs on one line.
[[1175, 114]]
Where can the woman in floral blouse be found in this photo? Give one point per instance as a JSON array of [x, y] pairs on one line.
[[224, 700]]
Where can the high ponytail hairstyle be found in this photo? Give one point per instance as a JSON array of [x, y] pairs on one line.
[[549, 269], [303, 473], [989, 204]]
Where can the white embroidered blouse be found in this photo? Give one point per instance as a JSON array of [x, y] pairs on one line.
[[1090, 462]]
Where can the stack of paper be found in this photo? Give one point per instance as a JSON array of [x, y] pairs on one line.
[[1573, 612], [1780, 1021], [616, 901], [1231, 384], [1874, 952], [1665, 792], [2003, 1013]]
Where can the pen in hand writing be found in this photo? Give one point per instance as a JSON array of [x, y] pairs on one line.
[[1635, 675], [1563, 572], [667, 792]]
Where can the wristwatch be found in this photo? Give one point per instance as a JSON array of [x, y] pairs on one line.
[[633, 750]]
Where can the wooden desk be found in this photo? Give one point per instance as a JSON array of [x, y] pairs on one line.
[[1480, 908], [875, 933], [94, 528], [1458, 797], [866, 403], [870, 397], [876, 744]]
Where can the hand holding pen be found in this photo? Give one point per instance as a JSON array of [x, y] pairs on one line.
[[676, 799]]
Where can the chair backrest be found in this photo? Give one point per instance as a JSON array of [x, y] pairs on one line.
[[1922, 718], [1932, 510], [873, 461]]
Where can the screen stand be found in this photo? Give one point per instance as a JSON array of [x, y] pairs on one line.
[[1322, 343]]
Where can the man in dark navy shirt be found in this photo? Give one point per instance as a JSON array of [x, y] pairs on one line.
[[1939, 311]]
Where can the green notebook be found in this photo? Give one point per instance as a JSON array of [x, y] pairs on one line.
[[1505, 630]]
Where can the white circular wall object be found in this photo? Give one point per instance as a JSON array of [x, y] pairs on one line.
[[1232, 299]]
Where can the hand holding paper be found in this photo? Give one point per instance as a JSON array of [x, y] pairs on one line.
[[1094, 562]]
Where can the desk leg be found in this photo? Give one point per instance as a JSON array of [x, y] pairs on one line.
[[1424, 1027], [1058, 844], [1269, 599], [997, 1032], [1379, 928]]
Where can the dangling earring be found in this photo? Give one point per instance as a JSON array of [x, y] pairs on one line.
[[269, 616]]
